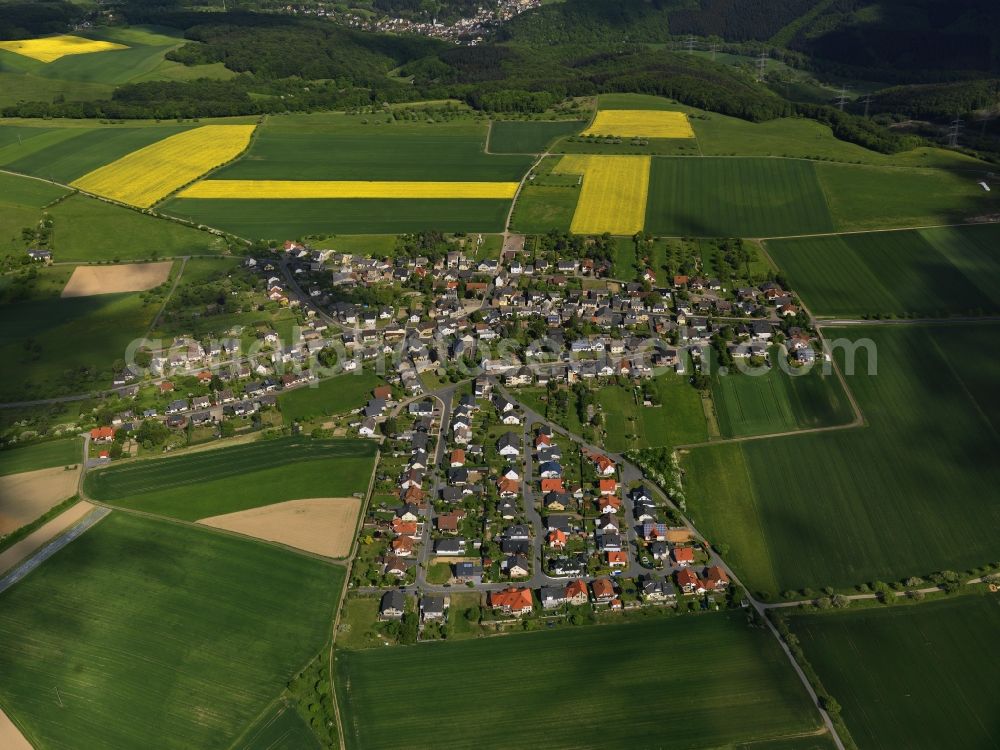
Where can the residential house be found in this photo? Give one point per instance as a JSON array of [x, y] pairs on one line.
[[392, 606], [516, 601]]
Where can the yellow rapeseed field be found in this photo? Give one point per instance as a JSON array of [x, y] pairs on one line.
[[640, 123], [613, 196], [152, 173], [272, 189], [53, 47]]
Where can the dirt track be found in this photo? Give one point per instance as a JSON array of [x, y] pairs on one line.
[[10, 736], [26, 496], [324, 526], [13, 555], [131, 277]]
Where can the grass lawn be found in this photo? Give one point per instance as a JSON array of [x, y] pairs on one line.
[[285, 218], [919, 677], [439, 573], [872, 198], [62, 452], [143, 633], [528, 136], [721, 197], [357, 623], [910, 493], [540, 208], [225, 480], [950, 270], [778, 402], [715, 660], [333, 396]]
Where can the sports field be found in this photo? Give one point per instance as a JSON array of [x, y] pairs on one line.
[[719, 683], [225, 480], [143, 633], [333, 396], [720, 197], [528, 136], [777, 402], [920, 677], [640, 123], [313, 189], [150, 174], [48, 49], [950, 270], [908, 494], [613, 195]]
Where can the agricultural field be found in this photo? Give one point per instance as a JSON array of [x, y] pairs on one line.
[[68, 151], [920, 677], [147, 176], [338, 189], [21, 204], [336, 395], [71, 344], [528, 136], [143, 633], [716, 660], [860, 505], [778, 402], [329, 148], [613, 196], [640, 123], [282, 729], [283, 219], [948, 270], [720, 197], [61, 452], [236, 478], [51, 48]]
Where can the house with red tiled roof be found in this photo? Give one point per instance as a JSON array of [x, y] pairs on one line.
[[683, 555], [553, 484], [576, 592], [609, 504], [687, 581], [608, 486], [556, 539], [102, 434], [604, 589], [405, 528], [509, 487], [617, 559], [513, 600], [402, 546], [457, 458]]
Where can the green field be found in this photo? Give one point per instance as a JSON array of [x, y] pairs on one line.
[[947, 270], [863, 198], [21, 202], [334, 146], [286, 218], [908, 494], [65, 153], [678, 419], [225, 480], [62, 452], [337, 395], [283, 729], [718, 683], [529, 136], [143, 633], [540, 208], [721, 197], [920, 677], [778, 402], [59, 346]]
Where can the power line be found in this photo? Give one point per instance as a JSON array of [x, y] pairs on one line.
[[690, 43], [761, 64], [868, 101], [842, 99], [954, 131], [714, 48]]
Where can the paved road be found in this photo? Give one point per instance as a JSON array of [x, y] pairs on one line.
[[20, 571]]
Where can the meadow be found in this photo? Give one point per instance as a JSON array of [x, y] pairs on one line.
[[720, 197], [907, 494], [678, 419], [143, 633], [613, 195], [540, 208], [284, 219], [61, 452], [919, 677], [21, 202], [146, 176], [777, 401], [948, 270], [736, 686], [528, 136], [225, 480], [332, 396]]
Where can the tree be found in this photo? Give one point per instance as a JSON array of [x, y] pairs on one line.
[[473, 614]]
